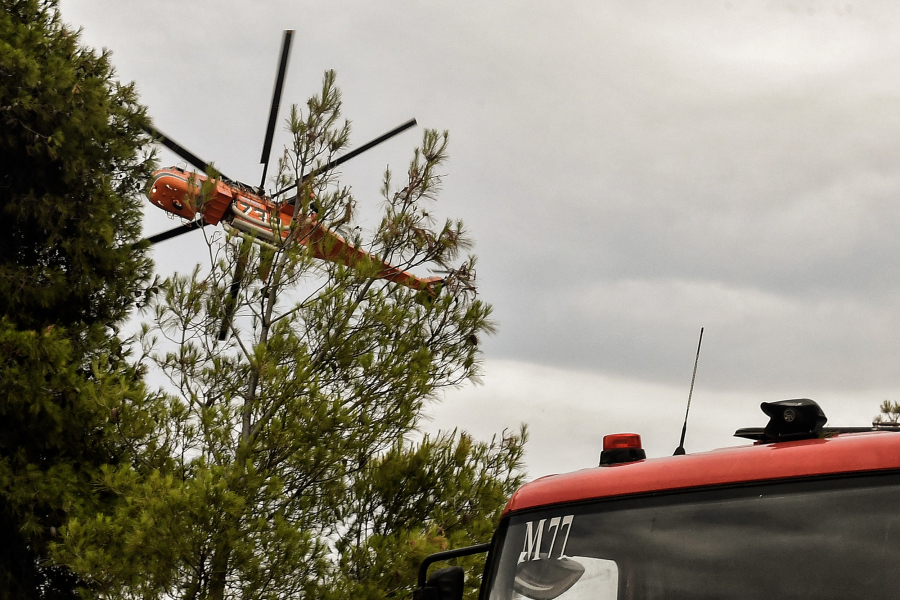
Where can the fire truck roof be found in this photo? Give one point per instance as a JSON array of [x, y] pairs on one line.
[[843, 453]]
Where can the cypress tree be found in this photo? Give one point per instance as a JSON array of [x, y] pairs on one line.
[[71, 169]]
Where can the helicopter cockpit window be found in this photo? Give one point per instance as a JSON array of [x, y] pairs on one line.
[[827, 539]]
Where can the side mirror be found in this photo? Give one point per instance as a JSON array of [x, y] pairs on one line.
[[444, 584]]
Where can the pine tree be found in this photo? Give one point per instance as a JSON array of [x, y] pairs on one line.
[[889, 414], [71, 168], [285, 461]]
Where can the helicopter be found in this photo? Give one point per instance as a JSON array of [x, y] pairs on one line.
[[261, 217]]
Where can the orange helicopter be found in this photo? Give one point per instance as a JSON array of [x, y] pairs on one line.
[[236, 206], [250, 210]]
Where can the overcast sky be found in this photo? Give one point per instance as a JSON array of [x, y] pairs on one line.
[[630, 172]]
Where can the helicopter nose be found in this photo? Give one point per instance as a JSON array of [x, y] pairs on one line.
[[169, 193]]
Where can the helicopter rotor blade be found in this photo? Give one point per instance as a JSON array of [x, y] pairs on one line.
[[177, 148], [342, 159], [276, 102], [176, 231], [230, 302], [233, 290]]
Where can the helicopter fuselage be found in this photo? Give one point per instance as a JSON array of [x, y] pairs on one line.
[[178, 192]]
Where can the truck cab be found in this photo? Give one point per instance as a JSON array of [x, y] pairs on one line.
[[804, 512]]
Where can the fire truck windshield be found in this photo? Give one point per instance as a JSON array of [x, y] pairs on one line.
[[822, 539]]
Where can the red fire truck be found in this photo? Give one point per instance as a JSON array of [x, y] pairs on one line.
[[806, 511]]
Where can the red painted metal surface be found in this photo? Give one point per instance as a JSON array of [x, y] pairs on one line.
[[847, 453]]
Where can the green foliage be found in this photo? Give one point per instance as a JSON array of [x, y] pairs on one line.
[[282, 462], [70, 167], [446, 492], [71, 170], [57, 431], [889, 413]]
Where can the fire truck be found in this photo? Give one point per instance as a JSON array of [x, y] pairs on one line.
[[806, 511]]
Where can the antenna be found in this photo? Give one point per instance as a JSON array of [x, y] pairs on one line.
[[680, 449]]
